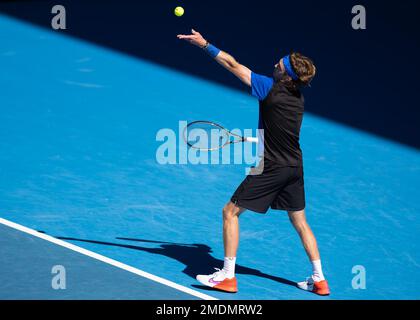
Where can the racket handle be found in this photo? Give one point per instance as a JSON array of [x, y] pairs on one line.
[[251, 139]]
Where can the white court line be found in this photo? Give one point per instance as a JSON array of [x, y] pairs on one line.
[[106, 259]]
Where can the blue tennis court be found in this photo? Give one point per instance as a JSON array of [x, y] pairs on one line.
[[78, 163]]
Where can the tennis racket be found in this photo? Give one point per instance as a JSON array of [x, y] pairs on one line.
[[209, 136]]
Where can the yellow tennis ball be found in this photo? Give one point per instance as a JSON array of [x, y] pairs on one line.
[[179, 11]]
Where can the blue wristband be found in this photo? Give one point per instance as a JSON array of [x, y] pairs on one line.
[[212, 50]]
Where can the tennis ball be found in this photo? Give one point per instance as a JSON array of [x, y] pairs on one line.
[[179, 11]]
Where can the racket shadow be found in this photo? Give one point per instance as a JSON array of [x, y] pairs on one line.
[[196, 257]]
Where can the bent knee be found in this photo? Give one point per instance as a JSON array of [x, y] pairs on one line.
[[298, 219], [230, 211]]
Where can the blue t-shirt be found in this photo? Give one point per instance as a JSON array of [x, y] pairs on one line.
[[261, 85]]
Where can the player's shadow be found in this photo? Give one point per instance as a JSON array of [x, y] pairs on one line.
[[197, 258]]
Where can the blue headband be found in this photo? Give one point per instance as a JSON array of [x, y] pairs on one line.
[[289, 69]]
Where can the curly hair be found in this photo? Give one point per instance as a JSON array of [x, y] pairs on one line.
[[304, 68]]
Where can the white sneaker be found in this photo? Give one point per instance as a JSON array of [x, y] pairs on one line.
[[218, 280], [318, 287]]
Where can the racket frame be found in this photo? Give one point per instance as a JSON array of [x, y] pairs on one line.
[[218, 126]]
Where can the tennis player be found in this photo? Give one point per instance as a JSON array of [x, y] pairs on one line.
[[280, 184]]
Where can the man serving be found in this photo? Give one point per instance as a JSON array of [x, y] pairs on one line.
[[278, 182]]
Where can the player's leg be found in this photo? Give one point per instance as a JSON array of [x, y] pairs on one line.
[[316, 283], [231, 214], [255, 193], [225, 279], [298, 220]]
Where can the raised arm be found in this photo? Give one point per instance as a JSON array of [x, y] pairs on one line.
[[223, 58]]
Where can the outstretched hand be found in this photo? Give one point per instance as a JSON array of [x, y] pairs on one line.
[[194, 38]]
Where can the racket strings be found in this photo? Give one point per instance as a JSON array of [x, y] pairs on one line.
[[205, 136]]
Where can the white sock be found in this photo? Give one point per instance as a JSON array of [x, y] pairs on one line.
[[317, 270], [229, 267]]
